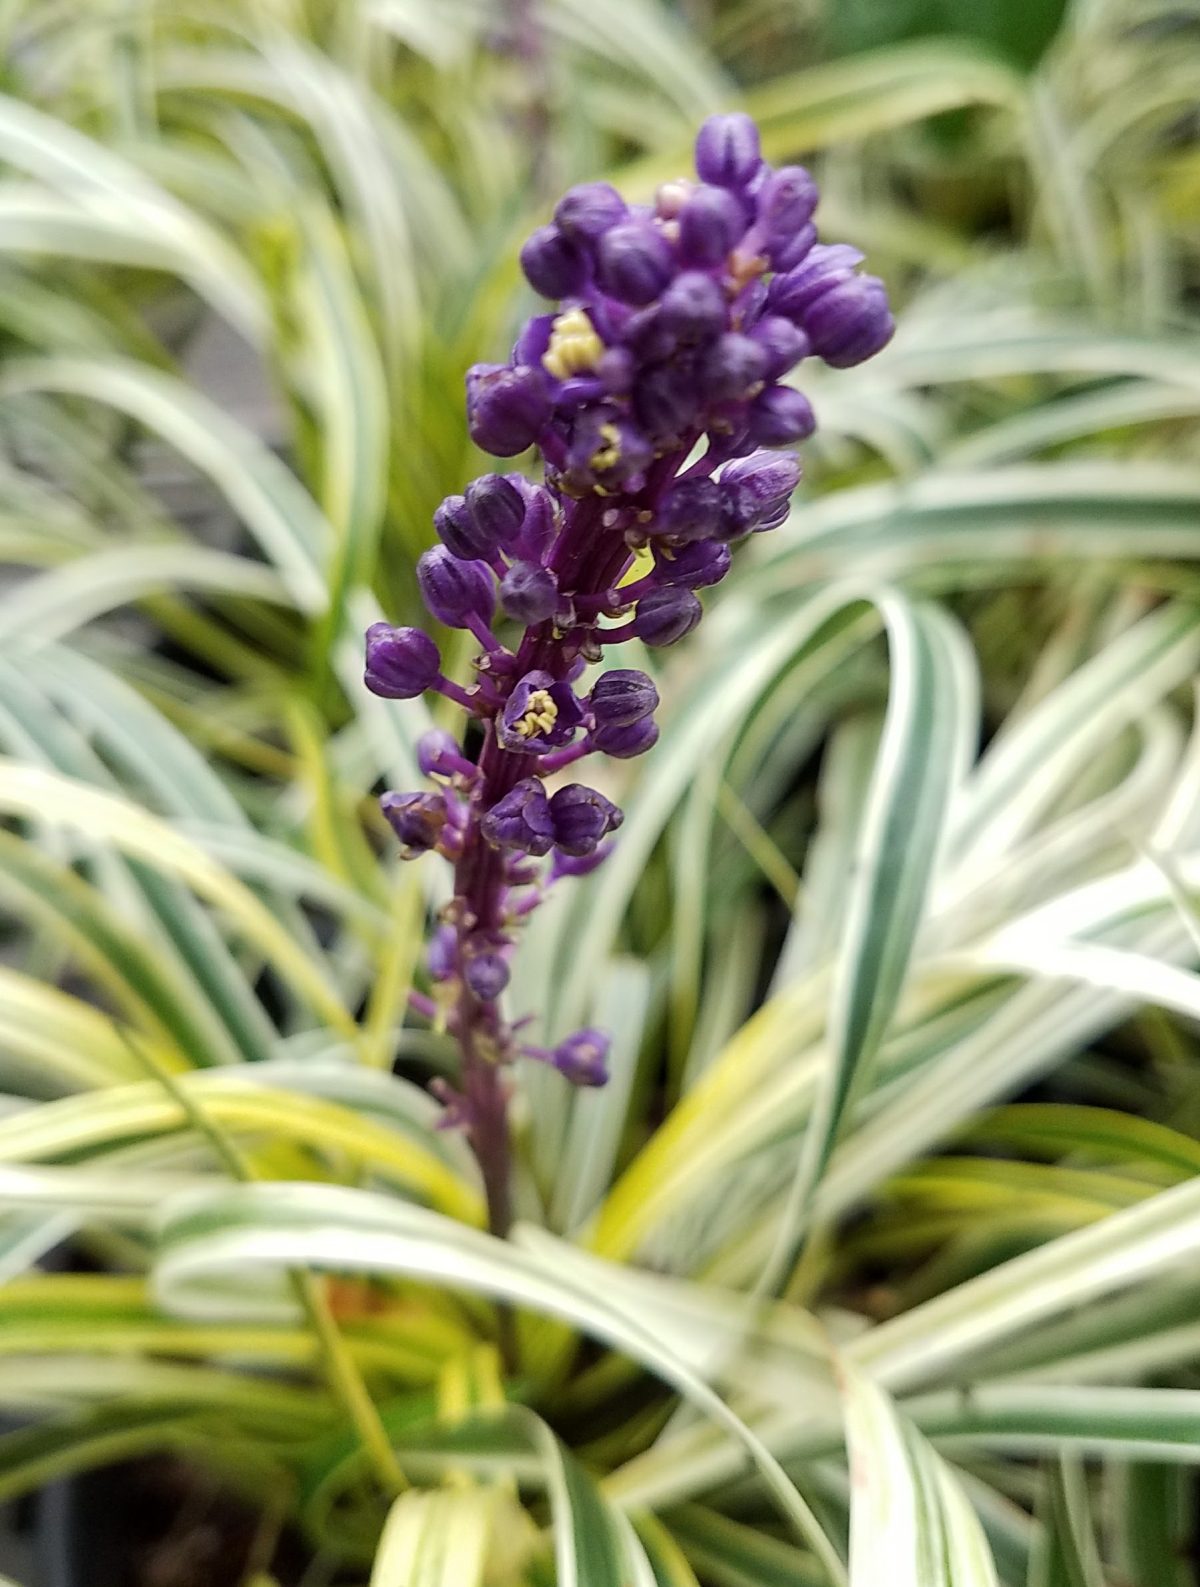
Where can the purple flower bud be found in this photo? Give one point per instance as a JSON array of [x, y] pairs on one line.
[[692, 308], [457, 593], [786, 203], [780, 415], [623, 743], [850, 322], [486, 974], [635, 262], [666, 401], [826, 265], [458, 531], [521, 820], [439, 754], [622, 696], [498, 509], [529, 593], [540, 714], [442, 957], [540, 524], [691, 511], [586, 212], [665, 616], [727, 150], [417, 820], [401, 662], [733, 365], [695, 566], [583, 1057], [506, 407], [761, 481], [616, 370], [710, 223], [553, 263], [787, 254], [581, 817], [783, 344]]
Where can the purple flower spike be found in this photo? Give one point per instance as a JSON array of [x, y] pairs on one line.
[[521, 820], [665, 616], [586, 212], [850, 322], [459, 594], [622, 696], [583, 1057], [582, 817], [417, 820], [695, 566], [554, 264], [541, 714], [506, 407], [529, 593], [623, 743], [710, 223], [401, 662], [635, 262], [728, 151]]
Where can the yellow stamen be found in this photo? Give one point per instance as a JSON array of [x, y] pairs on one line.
[[539, 716], [574, 345], [610, 453]]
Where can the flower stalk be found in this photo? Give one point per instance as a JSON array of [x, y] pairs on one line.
[[654, 394]]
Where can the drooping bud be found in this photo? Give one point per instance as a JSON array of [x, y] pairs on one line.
[[401, 662], [507, 405], [456, 593], [521, 820], [635, 262], [621, 696], [780, 415], [755, 489], [850, 322], [585, 213], [666, 615], [727, 150], [529, 593], [583, 1057], [554, 264], [710, 223], [624, 742], [457, 530], [417, 820], [581, 818]]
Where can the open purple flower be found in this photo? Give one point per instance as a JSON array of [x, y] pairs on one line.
[[540, 714]]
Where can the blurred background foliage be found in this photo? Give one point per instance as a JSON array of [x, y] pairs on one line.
[[916, 1029]]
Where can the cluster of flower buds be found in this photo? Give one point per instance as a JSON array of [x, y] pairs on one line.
[[654, 392]]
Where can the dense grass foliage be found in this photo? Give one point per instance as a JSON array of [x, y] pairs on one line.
[[898, 943]]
